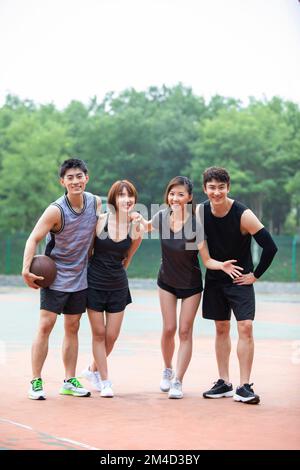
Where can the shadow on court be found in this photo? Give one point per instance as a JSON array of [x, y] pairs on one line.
[[140, 416]]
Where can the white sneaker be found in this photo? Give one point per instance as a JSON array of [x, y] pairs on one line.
[[106, 389], [93, 377], [176, 389], [36, 391], [74, 387], [165, 383]]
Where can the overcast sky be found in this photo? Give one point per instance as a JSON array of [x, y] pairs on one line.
[[59, 50]]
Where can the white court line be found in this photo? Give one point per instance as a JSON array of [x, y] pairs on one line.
[[63, 439]]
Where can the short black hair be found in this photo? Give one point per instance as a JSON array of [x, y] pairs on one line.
[[72, 163], [216, 173]]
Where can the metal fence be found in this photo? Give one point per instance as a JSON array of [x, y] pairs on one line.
[[145, 264]]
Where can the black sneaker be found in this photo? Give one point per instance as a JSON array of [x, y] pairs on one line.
[[219, 390], [246, 394]]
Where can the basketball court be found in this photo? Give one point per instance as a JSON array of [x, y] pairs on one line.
[[140, 416]]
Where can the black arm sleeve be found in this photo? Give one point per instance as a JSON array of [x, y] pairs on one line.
[[267, 243]]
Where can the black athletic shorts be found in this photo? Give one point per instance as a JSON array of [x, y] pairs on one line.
[[69, 303], [220, 299], [180, 293], [110, 301]]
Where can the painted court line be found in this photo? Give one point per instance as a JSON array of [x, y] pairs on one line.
[[62, 439]]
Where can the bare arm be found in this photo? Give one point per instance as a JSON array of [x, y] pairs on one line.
[[227, 266], [91, 248], [133, 248], [99, 205], [98, 213], [252, 225], [137, 219], [50, 220]]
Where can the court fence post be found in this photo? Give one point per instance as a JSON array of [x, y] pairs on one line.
[[8, 255], [294, 257]]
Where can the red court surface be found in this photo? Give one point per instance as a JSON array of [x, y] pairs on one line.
[[140, 416]]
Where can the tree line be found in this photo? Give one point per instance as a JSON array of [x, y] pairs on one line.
[[149, 137]]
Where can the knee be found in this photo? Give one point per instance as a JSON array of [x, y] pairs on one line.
[[245, 329], [72, 328], [99, 336], [169, 331], [184, 333], [45, 327], [222, 328]]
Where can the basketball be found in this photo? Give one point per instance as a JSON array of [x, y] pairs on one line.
[[43, 266]]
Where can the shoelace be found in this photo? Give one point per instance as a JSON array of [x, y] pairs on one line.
[[75, 382], [97, 376], [37, 385], [167, 374], [218, 383], [176, 385], [249, 387], [106, 384]]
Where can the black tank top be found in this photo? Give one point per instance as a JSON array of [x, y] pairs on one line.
[[179, 266], [106, 271], [225, 240]]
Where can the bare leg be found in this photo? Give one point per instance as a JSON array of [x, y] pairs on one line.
[[39, 348], [99, 350], [93, 366], [188, 312], [223, 348], [112, 330], [70, 344], [168, 303], [245, 349]]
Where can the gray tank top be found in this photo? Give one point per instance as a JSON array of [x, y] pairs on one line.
[[69, 247]]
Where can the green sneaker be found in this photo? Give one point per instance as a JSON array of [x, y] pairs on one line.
[[36, 391], [74, 387]]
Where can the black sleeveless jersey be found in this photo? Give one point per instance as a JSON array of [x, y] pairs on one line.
[[179, 263], [225, 241], [106, 270]]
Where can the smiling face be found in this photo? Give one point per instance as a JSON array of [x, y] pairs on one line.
[[75, 181], [217, 191], [122, 196], [124, 201], [178, 197]]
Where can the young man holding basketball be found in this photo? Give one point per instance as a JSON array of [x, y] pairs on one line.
[[69, 224], [229, 227]]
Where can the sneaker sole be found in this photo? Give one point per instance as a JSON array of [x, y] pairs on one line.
[[106, 396], [172, 397], [248, 401], [73, 394], [219, 395], [164, 390], [36, 398]]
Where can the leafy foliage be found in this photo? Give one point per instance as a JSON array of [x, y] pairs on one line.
[[149, 137]]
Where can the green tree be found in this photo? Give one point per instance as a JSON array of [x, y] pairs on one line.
[[29, 178], [251, 143]]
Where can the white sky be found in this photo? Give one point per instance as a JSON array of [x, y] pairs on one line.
[[59, 50]]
